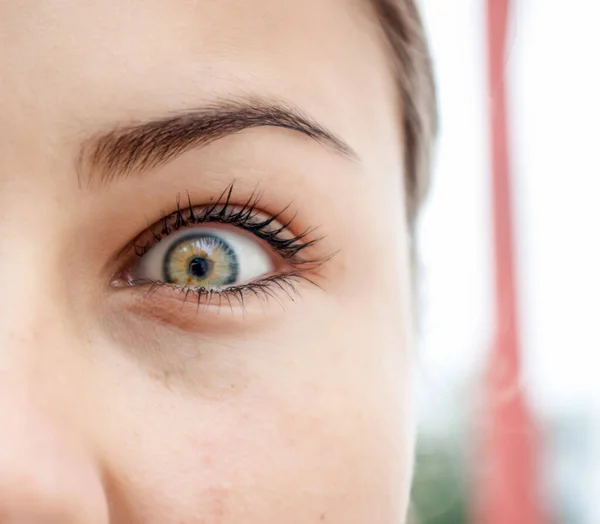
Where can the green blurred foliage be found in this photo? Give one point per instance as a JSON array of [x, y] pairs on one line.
[[440, 484]]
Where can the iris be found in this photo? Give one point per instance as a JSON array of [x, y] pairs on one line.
[[201, 260]]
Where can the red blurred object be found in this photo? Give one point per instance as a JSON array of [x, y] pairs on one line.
[[507, 490]]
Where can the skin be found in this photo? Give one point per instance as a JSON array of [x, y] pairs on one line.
[[118, 405]]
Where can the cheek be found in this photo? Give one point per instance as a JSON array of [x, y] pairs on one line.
[[332, 438]]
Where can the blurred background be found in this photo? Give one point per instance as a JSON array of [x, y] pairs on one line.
[[552, 80]]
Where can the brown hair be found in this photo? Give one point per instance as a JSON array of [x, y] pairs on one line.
[[404, 30]]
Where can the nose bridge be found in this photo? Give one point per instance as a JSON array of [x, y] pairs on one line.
[[32, 329], [34, 359], [41, 361], [46, 473], [31, 302]]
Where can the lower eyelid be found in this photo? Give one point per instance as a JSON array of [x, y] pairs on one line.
[[183, 308]]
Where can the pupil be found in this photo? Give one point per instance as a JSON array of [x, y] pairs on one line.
[[199, 267]]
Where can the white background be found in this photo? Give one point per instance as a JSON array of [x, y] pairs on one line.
[[553, 69]]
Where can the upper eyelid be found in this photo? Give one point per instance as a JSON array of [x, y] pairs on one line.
[[288, 246], [277, 228], [150, 237], [168, 224]]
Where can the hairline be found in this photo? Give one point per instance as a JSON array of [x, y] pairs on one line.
[[412, 66]]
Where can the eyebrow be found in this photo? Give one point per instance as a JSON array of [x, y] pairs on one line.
[[137, 148]]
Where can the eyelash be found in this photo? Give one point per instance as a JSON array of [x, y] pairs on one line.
[[245, 217]]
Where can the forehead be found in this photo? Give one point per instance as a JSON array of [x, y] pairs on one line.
[[89, 63]]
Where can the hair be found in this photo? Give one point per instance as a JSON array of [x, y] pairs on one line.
[[403, 28]]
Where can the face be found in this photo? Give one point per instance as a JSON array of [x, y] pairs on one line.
[[204, 266]]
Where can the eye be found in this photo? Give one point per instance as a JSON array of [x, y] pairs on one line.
[[220, 254], [205, 257]]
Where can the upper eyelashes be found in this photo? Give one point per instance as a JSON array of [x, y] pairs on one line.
[[246, 217]]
